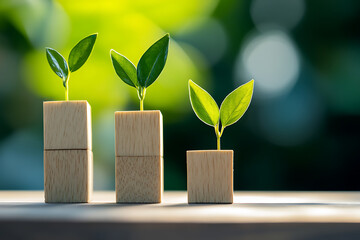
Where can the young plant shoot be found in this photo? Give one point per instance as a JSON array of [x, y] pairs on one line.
[[148, 69], [77, 57], [232, 108]]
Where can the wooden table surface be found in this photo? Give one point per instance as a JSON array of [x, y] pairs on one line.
[[254, 215]]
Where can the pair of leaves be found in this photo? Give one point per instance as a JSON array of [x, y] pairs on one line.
[[149, 67], [77, 57], [232, 108]]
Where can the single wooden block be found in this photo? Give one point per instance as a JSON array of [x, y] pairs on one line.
[[68, 176], [67, 125], [210, 176], [139, 179], [138, 133]]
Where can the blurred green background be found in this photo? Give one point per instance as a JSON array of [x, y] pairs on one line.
[[301, 131]]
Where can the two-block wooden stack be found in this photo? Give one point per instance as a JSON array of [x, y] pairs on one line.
[[68, 157], [139, 156]]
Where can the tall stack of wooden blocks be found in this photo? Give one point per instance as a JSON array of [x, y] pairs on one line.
[[210, 176], [139, 156], [68, 157]]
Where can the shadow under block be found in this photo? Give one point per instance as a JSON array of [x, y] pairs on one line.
[[67, 125], [139, 156], [210, 176], [68, 176], [139, 179], [138, 133]]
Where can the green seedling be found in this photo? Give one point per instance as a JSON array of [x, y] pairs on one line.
[[232, 108], [148, 69], [77, 57]]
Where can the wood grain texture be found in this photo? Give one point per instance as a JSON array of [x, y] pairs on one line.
[[255, 215], [139, 179], [138, 133], [210, 176], [68, 176], [67, 125], [90, 230], [248, 207]]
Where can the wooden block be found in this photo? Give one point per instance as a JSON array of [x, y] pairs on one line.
[[138, 133], [139, 151], [139, 179], [210, 176], [68, 176], [67, 125]]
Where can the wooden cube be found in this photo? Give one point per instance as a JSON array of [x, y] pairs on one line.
[[210, 176], [67, 125], [139, 179], [138, 133], [68, 176]]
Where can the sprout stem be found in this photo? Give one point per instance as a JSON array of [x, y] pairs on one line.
[[66, 86], [141, 104], [141, 95], [66, 94], [218, 135], [218, 143]]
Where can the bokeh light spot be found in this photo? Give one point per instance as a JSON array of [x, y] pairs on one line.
[[271, 59], [281, 13]]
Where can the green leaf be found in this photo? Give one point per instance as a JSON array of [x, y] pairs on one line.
[[124, 68], [236, 103], [152, 62], [203, 104], [81, 52], [58, 64]]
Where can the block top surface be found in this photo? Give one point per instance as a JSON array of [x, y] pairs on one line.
[[214, 152], [138, 133], [67, 125], [202, 154], [145, 112], [67, 102]]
